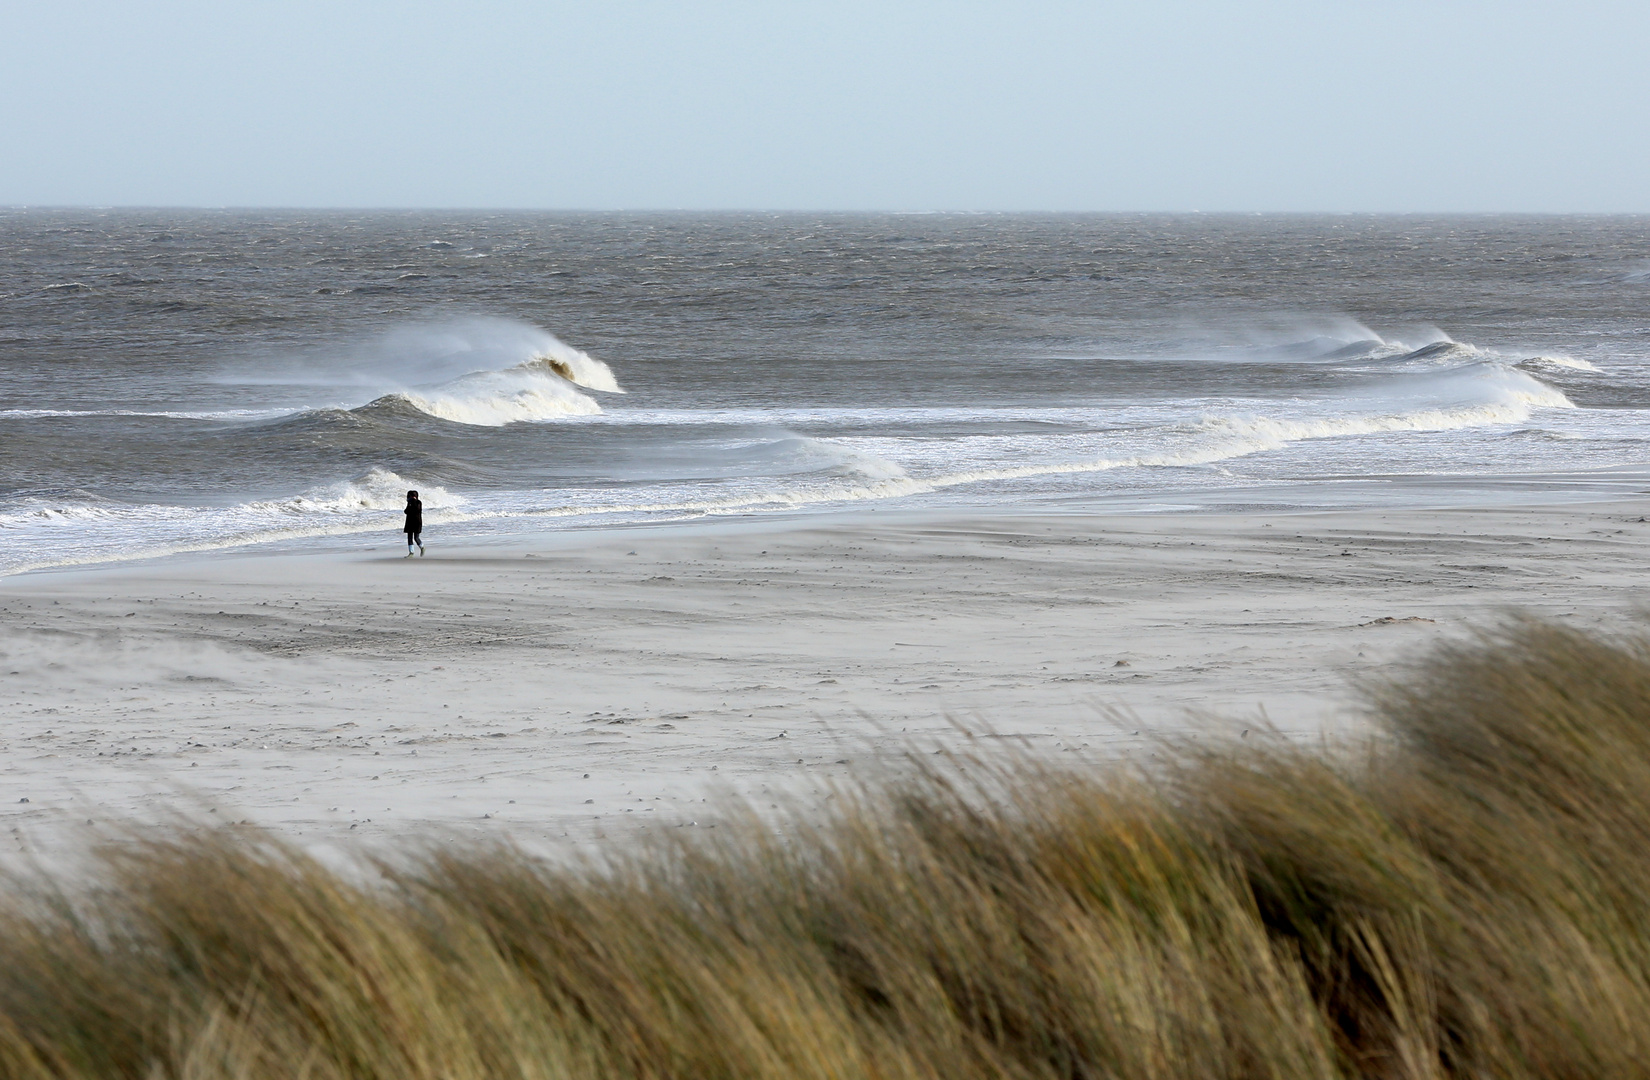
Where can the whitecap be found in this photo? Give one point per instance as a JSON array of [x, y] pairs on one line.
[[378, 489], [536, 381], [1476, 395], [1570, 363], [496, 398]]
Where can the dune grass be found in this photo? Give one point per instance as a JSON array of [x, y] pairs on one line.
[[1468, 897]]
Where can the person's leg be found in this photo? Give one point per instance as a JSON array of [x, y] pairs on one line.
[[409, 545], [419, 537]]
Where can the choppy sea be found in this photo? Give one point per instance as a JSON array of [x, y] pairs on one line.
[[175, 381]]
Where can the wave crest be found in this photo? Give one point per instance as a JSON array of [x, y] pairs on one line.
[[1474, 395], [378, 489], [484, 372], [496, 398], [1560, 363], [573, 365], [538, 388]]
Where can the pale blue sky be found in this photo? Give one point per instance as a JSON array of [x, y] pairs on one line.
[[1450, 105]]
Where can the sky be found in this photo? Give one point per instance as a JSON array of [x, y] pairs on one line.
[[1148, 105]]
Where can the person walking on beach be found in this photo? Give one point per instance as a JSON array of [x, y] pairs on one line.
[[414, 528]]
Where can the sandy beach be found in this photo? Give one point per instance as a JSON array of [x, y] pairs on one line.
[[592, 683]]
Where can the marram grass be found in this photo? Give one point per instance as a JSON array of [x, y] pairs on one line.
[[1468, 898]]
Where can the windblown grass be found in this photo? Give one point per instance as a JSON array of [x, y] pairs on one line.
[[1469, 899]]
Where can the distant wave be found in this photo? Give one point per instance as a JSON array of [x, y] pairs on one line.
[[1350, 342], [1560, 363], [1326, 340], [1483, 395], [1441, 353]]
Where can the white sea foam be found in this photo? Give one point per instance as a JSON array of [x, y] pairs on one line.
[[804, 453], [375, 491], [35, 510], [379, 489], [495, 398], [744, 502], [82, 531], [1484, 395], [1539, 363], [1479, 395]]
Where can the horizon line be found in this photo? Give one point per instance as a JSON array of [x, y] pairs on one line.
[[886, 212]]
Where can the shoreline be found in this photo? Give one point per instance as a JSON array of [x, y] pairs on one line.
[[1357, 494], [335, 695]]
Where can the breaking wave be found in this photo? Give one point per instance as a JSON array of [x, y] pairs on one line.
[[1327, 340], [1347, 341], [1556, 363], [790, 471], [1484, 395], [1471, 396], [1442, 352], [495, 398], [376, 490], [379, 489], [541, 386], [578, 368], [806, 454]]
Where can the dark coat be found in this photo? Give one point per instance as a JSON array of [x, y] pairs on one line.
[[415, 517]]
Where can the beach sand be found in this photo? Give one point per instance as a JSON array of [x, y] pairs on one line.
[[591, 684]]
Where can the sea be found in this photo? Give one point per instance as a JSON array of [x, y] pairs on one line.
[[179, 381]]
